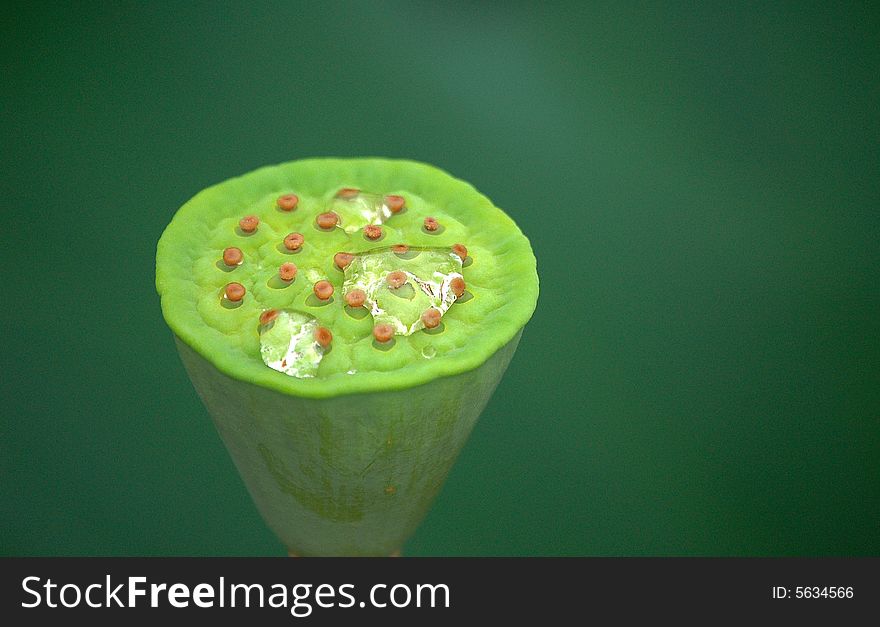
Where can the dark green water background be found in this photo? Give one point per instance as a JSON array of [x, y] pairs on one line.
[[701, 187]]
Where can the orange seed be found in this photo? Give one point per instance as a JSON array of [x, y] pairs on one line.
[[288, 202], [348, 192], [268, 316], [232, 256], [323, 336], [431, 318], [460, 250], [323, 290], [457, 286], [342, 260], [394, 203], [234, 292], [356, 298], [400, 249], [431, 224], [396, 279], [287, 271], [373, 231], [327, 220], [383, 332], [294, 241], [249, 224]]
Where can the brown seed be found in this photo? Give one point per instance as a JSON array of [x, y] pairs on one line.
[[268, 316], [394, 203], [400, 249], [234, 292], [431, 224], [323, 336], [348, 192], [323, 289], [431, 318], [342, 260], [232, 256], [390, 490], [294, 241], [288, 202], [373, 231], [249, 224], [356, 298], [383, 332], [287, 271], [327, 220], [460, 250], [396, 279], [457, 286]]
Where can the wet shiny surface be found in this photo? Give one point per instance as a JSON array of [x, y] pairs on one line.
[[715, 390], [398, 290]]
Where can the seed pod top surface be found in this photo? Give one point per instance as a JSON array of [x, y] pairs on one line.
[[500, 273]]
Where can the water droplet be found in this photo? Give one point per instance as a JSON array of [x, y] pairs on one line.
[[428, 352], [357, 210], [287, 344], [428, 275]]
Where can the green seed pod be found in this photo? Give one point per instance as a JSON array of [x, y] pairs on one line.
[[342, 441]]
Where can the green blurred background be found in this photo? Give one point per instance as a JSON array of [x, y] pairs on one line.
[[701, 186]]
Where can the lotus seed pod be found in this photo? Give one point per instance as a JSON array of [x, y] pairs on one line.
[[329, 406]]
